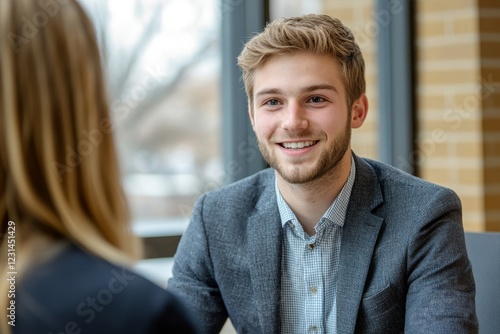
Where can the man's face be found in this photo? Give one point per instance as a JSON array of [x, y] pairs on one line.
[[300, 116]]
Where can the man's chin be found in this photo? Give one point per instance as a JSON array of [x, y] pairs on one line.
[[295, 175]]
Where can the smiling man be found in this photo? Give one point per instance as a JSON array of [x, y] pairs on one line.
[[323, 241]]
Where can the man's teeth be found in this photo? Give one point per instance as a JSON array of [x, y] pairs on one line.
[[301, 144]]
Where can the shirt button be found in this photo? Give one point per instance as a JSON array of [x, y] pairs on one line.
[[311, 246], [314, 329], [313, 290]]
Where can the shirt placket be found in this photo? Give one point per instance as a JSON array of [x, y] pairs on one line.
[[314, 287]]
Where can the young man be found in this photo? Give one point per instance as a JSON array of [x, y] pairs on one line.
[[324, 241]]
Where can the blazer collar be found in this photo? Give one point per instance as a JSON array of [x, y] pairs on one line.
[[359, 237], [360, 233], [265, 241]]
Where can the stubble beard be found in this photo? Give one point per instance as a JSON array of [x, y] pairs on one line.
[[327, 167]]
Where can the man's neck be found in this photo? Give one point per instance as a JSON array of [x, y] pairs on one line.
[[310, 201]]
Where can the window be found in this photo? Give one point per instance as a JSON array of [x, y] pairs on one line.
[[287, 8], [163, 63]]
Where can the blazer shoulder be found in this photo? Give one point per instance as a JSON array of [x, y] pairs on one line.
[[406, 190]]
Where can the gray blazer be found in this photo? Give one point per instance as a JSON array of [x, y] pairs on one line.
[[403, 262]]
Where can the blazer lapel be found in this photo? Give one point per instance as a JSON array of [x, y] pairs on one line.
[[265, 239], [359, 237]]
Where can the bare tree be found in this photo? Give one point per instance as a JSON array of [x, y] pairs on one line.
[[134, 113]]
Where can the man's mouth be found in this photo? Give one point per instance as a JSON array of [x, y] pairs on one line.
[[298, 145]]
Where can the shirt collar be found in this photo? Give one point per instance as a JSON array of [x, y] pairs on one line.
[[335, 213]]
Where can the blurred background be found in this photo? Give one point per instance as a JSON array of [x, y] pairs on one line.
[[179, 108], [180, 111]]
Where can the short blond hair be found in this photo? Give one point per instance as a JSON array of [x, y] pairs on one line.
[[313, 33]]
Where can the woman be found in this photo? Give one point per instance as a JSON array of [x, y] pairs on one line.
[[65, 235]]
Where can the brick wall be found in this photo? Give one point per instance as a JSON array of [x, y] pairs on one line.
[[448, 96], [489, 28], [458, 97], [457, 66], [359, 16]]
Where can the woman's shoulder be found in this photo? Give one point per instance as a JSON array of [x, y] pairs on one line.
[[77, 290]]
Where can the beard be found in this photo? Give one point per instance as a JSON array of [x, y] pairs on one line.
[[326, 166]]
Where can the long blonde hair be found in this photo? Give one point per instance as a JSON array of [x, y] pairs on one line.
[[59, 175]]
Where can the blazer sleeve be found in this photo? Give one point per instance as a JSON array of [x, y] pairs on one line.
[[193, 278], [441, 290]]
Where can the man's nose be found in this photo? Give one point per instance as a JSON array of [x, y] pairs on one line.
[[294, 117]]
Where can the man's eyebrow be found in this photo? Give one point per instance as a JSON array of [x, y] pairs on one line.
[[276, 91], [318, 87], [269, 91]]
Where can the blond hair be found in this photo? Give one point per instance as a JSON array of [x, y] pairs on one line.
[[59, 175], [317, 34]]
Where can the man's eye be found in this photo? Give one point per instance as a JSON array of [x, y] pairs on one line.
[[272, 102], [317, 99]]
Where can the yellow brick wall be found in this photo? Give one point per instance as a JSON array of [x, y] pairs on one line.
[[489, 27], [457, 97], [448, 101], [358, 15], [458, 63]]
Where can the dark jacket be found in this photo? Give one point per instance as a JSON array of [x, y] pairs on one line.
[[77, 293]]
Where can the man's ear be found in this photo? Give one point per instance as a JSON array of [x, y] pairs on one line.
[[359, 111]]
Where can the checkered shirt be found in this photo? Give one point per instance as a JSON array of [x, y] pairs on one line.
[[309, 266]]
